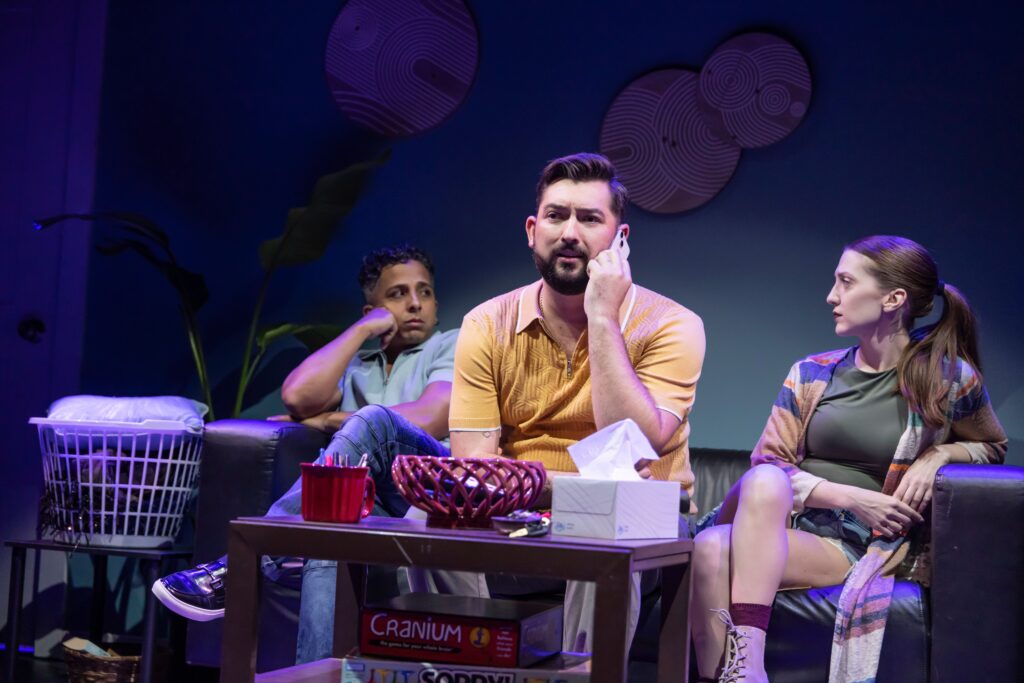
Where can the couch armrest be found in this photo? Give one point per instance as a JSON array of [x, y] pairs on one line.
[[246, 466], [977, 592]]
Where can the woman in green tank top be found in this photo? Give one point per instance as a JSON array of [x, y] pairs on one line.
[[852, 446]]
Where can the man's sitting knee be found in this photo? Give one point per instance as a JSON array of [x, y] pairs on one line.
[[374, 414]]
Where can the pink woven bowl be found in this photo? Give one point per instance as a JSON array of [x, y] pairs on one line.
[[467, 492]]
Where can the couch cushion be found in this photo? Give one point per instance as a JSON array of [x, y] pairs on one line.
[[800, 636], [716, 470], [246, 466]]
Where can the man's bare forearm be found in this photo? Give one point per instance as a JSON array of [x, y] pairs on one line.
[[475, 444], [312, 387], [616, 392]]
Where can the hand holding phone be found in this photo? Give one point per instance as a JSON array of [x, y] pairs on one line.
[[609, 282], [621, 245]]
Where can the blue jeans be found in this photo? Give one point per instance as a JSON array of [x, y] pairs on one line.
[[382, 434]]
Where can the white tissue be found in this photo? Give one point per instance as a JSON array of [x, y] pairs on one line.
[[612, 452]]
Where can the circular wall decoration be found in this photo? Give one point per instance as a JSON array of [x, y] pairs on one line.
[[666, 155], [754, 90], [401, 67]]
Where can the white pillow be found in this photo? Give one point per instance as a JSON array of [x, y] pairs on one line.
[[130, 409]]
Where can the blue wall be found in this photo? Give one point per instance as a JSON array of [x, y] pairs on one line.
[[216, 120]]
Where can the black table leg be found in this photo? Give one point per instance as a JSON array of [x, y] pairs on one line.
[[350, 593], [608, 642], [178, 643], [150, 574], [99, 598], [674, 636], [14, 609], [241, 611]]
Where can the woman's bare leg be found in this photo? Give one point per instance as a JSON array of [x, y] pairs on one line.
[[710, 592], [725, 573], [813, 562], [759, 541], [712, 578]]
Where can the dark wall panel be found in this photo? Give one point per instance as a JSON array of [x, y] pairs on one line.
[[216, 120]]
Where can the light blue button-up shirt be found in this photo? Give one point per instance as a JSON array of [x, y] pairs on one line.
[[367, 382]]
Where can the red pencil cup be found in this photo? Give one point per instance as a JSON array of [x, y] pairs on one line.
[[336, 494]]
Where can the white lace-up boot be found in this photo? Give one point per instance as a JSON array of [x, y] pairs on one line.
[[744, 652]]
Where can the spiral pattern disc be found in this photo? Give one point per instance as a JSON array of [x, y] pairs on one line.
[[665, 154], [754, 90], [401, 67]]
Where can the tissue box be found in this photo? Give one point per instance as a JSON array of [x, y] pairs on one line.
[[603, 508]]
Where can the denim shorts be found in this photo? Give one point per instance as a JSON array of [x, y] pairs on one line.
[[839, 527]]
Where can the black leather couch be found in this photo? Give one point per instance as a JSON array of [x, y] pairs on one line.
[[967, 627]]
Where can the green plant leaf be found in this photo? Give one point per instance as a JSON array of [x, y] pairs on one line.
[[312, 336], [308, 233], [344, 187], [310, 229], [142, 226], [191, 286], [135, 223], [318, 336]]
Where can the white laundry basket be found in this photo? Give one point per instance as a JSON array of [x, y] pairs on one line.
[[117, 483]]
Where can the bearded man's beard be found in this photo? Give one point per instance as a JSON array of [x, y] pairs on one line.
[[563, 282]]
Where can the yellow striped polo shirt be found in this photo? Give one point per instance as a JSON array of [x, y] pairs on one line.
[[510, 374]]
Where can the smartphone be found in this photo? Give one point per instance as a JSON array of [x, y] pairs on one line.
[[621, 244]]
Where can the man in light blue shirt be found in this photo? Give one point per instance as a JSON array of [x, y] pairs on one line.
[[381, 401], [384, 400]]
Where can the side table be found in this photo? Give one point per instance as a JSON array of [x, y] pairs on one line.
[[398, 542], [151, 562]]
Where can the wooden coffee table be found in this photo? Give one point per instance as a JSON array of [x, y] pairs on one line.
[[405, 542]]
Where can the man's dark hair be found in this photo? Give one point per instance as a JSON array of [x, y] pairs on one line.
[[379, 259], [584, 167]]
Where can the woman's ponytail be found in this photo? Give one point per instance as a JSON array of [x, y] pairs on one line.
[[929, 361]]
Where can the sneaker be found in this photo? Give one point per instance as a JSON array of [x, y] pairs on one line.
[[196, 594]]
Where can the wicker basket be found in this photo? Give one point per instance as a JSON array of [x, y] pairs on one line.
[[467, 492], [86, 668]]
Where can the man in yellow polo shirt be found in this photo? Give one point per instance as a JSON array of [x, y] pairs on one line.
[[545, 365]]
